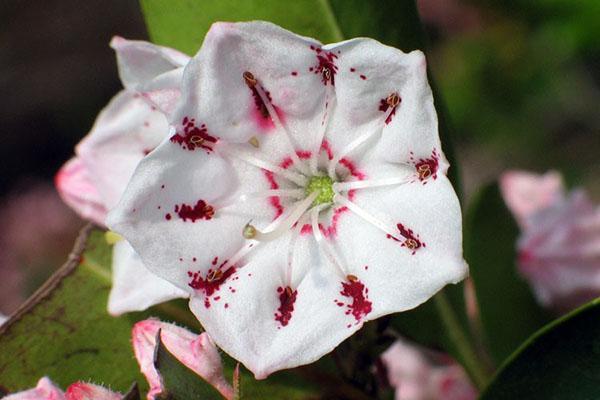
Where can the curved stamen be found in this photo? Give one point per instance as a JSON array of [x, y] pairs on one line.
[[250, 80], [298, 179], [324, 246], [290, 254], [359, 141], [330, 101], [284, 222], [294, 193], [339, 199], [353, 185]]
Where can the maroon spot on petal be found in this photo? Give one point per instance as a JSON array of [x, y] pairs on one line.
[[363, 77], [194, 259], [211, 283], [352, 69], [194, 137], [426, 167], [294, 73], [356, 291], [201, 210], [385, 104], [168, 217], [411, 240], [226, 305], [287, 298], [158, 207], [325, 66], [366, 267]]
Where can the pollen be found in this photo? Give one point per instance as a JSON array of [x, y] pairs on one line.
[[424, 171], [324, 186], [249, 231], [249, 78]]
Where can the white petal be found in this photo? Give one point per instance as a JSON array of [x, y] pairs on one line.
[[399, 277], [369, 73], [252, 323], [134, 287], [161, 213], [125, 131], [139, 62], [77, 189], [284, 64]]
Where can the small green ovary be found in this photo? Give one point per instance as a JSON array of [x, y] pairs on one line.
[[324, 186]]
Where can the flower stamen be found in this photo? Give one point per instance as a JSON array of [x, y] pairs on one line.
[[339, 199], [253, 83], [324, 246], [353, 185], [283, 223]]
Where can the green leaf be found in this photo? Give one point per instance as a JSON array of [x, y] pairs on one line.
[[180, 382], [559, 362], [64, 331], [509, 312], [182, 24]]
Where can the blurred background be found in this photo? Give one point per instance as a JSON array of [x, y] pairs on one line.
[[521, 81]]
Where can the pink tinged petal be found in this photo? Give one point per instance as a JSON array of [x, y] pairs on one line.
[[125, 131], [134, 287], [88, 391], [526, 193], [559, 252], [197, 352], [408, 371], [77, 189], [269, 54], [45, 390], [140, 62]]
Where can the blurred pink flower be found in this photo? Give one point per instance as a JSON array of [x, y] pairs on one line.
[[45, 390], [197, 352], [418, 374], [38, 231], [559, 245], [89, 391]]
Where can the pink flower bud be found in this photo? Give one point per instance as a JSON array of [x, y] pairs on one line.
[[45, 390], [197, 352], [88, 391]]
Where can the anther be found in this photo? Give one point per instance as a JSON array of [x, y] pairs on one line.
[[209, 211], [424, 171], [214, 275], [254, 142], [196, 140], [352, 278], [411, 244], [288, 291], [326, 74], [393, 100], [249, 231], [249, 78]]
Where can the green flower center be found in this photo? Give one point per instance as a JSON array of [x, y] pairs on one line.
[[324, 186]]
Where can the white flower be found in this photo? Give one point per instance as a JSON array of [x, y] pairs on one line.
[[332, 153], [130, 126]]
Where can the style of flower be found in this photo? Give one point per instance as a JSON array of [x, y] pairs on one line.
[[301, 194], [418, 374], [197, 352], [129, 128], [46, 390], [559, 244]]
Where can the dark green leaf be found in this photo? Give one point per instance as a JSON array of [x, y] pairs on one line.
[[64, 331], [182, 24], [560, 362], [509, 312]]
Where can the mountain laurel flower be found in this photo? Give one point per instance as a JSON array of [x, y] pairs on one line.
[[46, 390], [130, 127], [559, 245], [415, 376], [303, 192], [197, 352]]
